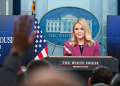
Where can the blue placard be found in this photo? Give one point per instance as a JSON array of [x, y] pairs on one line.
[[6, 39], [113, 36]]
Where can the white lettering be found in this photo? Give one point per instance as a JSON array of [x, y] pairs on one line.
[[1, 39], [77, 62], [64, 35], [51, 35], [92, 63], [80, 66], [65, 62], [6, 39], [73, 62]]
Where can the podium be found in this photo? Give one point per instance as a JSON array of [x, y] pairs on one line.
[[83, 65]]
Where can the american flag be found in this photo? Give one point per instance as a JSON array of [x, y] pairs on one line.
[[40, 41]]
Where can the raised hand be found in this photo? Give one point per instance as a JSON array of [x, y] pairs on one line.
[[21, 34]]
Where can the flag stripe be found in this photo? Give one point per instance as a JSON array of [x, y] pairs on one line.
[[40, 55], [44, 53], [36, 58], [23, 68], [20, 70]]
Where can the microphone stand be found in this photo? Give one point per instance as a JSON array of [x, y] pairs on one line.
[[104, 47], [54, 48]]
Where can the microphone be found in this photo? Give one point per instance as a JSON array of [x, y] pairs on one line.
[[54, 48], [104, 47]]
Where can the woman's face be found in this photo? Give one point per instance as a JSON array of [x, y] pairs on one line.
[[79, 31]]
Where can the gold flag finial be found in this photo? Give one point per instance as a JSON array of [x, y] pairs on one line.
[[33, 5], [33, 1]]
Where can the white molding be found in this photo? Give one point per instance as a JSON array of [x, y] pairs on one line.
[[7, 7]]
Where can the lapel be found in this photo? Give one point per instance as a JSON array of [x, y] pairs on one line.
[[77, 52], [86, 50]]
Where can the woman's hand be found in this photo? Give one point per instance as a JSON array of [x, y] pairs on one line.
[[67, 50]]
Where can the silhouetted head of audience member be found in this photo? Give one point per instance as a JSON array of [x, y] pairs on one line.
[[21, 79], [35, 65], [54, 78], [101, 76], [116, 81]]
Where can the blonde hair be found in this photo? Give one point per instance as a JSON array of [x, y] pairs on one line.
[[88, 37]]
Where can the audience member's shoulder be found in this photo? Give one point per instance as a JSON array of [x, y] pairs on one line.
[[116, 82]]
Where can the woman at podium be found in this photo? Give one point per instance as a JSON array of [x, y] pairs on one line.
[[81, 43]]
